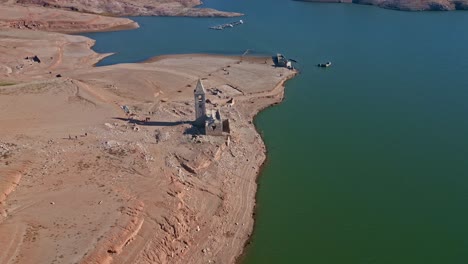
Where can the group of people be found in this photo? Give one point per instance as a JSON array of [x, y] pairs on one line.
[[76, 137]]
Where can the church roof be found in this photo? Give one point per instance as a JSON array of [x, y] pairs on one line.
[[199, 89]]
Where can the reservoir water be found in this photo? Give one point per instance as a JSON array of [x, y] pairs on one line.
[[367, 160]]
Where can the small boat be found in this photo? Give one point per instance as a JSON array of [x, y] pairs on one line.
[[228, 25], [324, 65]]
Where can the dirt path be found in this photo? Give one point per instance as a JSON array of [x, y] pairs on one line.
[[58, 59]]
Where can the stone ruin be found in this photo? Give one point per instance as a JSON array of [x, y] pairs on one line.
[[212, 122]]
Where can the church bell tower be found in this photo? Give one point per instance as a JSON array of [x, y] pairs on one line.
[[200, 101]]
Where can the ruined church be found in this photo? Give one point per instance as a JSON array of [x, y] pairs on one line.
[[210, 121]]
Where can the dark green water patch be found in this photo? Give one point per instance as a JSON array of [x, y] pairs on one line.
[[367, 160]]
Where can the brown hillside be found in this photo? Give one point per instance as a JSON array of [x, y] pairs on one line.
[[128, 7], [408, 5]]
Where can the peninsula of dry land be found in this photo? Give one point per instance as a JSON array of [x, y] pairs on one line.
[[126, 7], [81, 181], [407, 5], [73, 16]]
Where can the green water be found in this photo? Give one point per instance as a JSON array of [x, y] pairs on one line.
[[367, 160]]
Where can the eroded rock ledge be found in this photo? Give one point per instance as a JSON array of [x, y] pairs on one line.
[[69, 16], [131, 7]]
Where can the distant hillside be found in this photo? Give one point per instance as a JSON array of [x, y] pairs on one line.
[[407, 5], [128, 7]]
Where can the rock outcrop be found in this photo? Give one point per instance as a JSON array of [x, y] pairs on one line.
[[132, 7], [408, 5]]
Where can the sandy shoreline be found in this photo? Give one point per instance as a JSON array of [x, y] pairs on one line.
[[170, 214], [281, 85]]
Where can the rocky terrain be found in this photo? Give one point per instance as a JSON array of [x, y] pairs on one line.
[[46, 19], [408, 5], [73, 16], [103, 165], [128, 7], [84, 181]]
